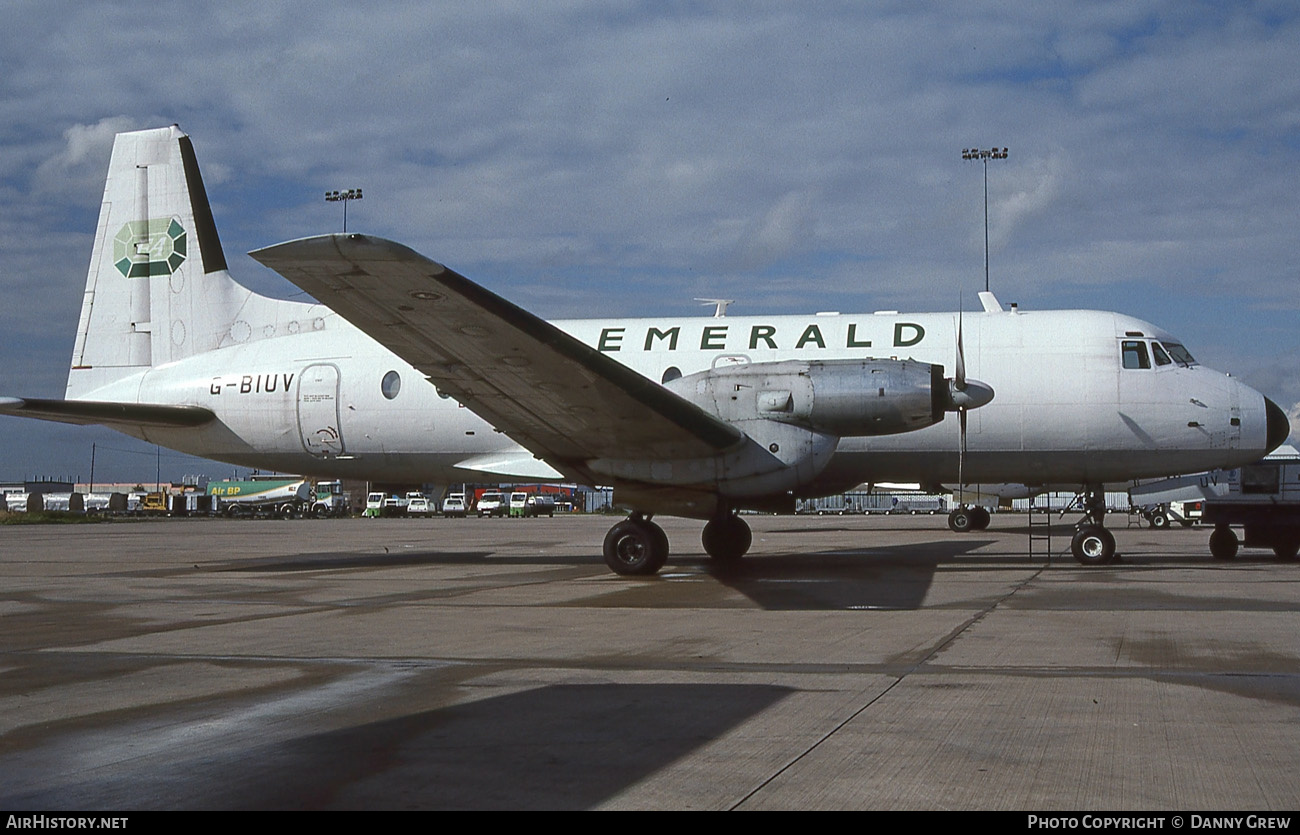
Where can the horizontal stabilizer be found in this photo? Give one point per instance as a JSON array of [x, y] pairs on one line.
[[105, 412]]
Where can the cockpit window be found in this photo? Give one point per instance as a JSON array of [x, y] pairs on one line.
[[1179, 353], [1135, 354], [1159, 354]]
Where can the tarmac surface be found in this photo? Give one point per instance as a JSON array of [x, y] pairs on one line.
[[849, 663]]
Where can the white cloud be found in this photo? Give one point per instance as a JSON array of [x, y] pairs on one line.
[[673, 152]]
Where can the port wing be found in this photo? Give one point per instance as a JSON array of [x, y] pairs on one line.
[[558, 397]]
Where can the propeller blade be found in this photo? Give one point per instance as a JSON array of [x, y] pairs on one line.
[[961, 456], [960, 379], [964, 393]]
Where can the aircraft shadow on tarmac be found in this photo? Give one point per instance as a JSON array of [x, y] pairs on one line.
[[347, 561], [889, 577], [556, 747], [885, 577]]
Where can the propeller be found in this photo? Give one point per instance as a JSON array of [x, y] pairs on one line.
[[963, 395]]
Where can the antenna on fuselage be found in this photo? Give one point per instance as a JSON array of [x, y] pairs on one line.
[[720, 306]]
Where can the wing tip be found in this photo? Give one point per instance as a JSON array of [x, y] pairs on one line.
[[352, 246]]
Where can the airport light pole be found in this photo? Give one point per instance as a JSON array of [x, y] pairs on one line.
[[984, 156], [344, 196]]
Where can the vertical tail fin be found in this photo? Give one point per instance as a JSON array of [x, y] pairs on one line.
[[157, 289]]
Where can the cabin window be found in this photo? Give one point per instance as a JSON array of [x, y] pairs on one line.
[[1135, 354], [391, 384], [1159, 354]]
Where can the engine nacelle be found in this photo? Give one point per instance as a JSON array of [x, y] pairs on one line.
[[845, 398]]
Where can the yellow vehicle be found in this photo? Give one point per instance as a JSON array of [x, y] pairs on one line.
[[152, 503]]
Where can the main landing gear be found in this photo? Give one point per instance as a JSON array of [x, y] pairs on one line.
[[966, 519], [1092, 543], [726, 538], [637, 547]]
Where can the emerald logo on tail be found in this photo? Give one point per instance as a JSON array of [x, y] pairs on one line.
[[149, 247]]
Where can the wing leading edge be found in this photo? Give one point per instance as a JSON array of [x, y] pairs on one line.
[[558, 397]]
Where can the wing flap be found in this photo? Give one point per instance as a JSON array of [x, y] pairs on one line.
[[558, 397]]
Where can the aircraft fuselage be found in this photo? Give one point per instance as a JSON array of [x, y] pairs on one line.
[[1065, 411]]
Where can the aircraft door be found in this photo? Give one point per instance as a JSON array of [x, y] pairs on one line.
[[318, 411], [1234, 415]]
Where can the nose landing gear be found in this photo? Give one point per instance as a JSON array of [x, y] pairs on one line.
[[1092, 543]]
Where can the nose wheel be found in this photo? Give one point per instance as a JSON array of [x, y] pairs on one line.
[[1092, 543]]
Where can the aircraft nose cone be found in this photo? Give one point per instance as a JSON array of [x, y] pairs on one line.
[[1279, 428]]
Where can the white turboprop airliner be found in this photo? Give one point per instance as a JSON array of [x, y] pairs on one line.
[[697, 417]]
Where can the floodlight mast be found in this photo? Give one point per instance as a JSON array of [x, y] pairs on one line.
[[343, 196], [984, 156]]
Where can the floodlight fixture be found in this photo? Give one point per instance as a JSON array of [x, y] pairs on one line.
[[343, 196], [984, 155]]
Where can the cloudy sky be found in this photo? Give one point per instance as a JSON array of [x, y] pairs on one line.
[[623, 158]]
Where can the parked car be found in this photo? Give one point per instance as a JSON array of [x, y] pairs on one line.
[[540, 504], [454, 505], [417, 504], [491, 504]]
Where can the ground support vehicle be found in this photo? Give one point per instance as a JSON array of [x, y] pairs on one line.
[[150, 504], [539, 504], [1185, 513], [1264, 525], [518, 505], [286, 498], [328, 500], [492, 503], [417, 504], [454, 506], [1264, 499]]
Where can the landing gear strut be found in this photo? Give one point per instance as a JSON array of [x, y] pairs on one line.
[[726, 538], [1092, 543], [636, 546]]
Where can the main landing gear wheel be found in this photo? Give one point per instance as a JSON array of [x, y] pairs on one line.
[[1223, 543], [1093, 545], [635, 547], [967, 519], [727, 538]]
